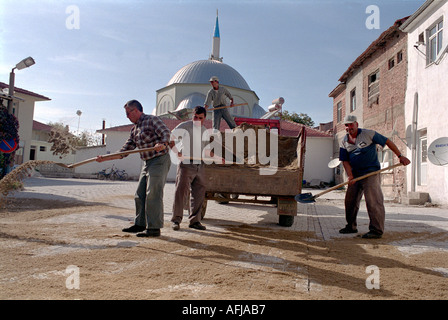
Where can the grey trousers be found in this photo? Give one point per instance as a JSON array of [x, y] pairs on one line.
[[371, 189], [189, 177], [225, 114], [149, 194]]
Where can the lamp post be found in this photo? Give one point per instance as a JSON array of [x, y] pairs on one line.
[[25, 63], [78, 113]]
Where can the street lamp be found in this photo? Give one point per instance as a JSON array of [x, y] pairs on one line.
[[25, 63], [79, 112]]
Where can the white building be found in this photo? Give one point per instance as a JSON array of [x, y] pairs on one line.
[[427, 97]]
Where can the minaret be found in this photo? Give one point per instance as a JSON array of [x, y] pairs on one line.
[[216, 42]]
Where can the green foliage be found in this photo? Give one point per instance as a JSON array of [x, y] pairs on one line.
[[302, 118], [9, 126]]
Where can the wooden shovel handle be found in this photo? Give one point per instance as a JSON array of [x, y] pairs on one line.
[[356, 179], [224, 107], [123, 153]]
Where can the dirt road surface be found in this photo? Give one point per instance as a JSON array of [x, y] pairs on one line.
[[62, 239]]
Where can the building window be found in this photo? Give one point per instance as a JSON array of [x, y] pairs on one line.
[[42, 148], [374, 87], [339, 111], [353, 100], [391, 63], [399, 57], [435, 41], [422, 160]]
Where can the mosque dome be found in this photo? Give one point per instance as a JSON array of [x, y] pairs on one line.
[[257, 111], [191, 101], [199, 72]]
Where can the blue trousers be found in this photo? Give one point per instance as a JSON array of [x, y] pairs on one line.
[[149, 194], [225, 114]]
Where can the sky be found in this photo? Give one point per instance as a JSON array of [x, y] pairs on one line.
[[96, 55]]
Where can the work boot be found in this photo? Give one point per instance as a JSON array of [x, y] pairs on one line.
[[149, 233], [372, 235], [134, 229], [348, 230], [197, 225]]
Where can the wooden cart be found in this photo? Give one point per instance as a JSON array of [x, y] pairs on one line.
[[225, 183]]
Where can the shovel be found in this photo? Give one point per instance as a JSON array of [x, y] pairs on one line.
[[225, 107], [309, 198], [105, 157]]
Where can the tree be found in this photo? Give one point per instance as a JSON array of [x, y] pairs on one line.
[[9, 129], [63, 141], [302, 118]]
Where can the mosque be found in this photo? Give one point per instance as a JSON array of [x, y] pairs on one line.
[[188, 89], [189, 86]]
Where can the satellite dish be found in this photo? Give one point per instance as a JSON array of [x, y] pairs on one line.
[[409, 136], [334, 163], [395, 133], [438, 152]]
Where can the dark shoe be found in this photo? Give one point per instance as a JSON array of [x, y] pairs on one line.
[[347, 230], [197, 225], [149, 233], [372, 235], [134, 229], [175, 226]]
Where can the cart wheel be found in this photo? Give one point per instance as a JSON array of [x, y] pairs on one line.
[[285, 220], [225, 198]]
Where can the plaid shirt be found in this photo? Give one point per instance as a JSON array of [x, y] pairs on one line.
[[146, 133]]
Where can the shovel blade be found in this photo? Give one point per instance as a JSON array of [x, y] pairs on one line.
[[62, 165], [305, 198]]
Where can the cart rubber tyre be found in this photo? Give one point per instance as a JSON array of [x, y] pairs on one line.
[[285, 220], [225, 198]]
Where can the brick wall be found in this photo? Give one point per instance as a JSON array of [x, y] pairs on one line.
[[383, 110], [387, 109]]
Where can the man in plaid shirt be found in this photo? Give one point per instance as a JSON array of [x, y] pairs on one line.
[[149, 132]]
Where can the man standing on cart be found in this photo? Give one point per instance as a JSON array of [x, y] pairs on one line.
[[218, 95]]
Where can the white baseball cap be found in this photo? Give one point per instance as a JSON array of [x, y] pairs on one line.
[[350, 118]]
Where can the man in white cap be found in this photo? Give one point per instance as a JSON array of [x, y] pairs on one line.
[[359, 157], [218, 95]]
